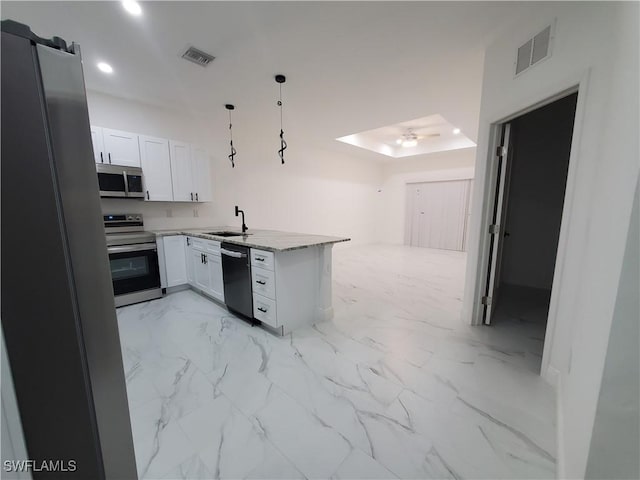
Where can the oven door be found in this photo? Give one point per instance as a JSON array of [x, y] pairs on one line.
[[134, 268]]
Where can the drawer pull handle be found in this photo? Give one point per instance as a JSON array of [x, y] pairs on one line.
[[260, 259], [263, 310], [261, 282]]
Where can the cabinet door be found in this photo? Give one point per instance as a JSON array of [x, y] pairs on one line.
[[98, 145], [121, 148], [156, 168], [175, 260], [201, 174], [181, 172], [214, 263], [200, 272], [190, 265]]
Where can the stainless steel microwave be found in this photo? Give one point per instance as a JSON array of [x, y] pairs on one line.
[[118, 181]]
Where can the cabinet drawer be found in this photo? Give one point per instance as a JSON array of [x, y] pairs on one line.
[[211, 246], [198, 243], [264, 309], [264, 282], [261, 258], [207, 246]]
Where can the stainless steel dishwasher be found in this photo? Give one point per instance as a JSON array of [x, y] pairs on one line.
[[236, 272]]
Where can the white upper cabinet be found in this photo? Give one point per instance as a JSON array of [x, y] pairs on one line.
[[173, 171], [121, 148], [182, 172], [201, 174], [156, 169], [98, 145]]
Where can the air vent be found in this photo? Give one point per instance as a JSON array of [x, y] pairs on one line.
[[198, 56], [534, 50]]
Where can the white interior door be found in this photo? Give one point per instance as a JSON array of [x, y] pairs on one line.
[[496, 229], [438, 214]]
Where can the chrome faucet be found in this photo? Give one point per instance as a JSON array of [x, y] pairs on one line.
[[244, 227]]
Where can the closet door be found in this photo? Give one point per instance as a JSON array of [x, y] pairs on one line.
[[438, 214]]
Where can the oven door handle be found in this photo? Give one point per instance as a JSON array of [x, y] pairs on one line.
[[230, 253], [132, 248]]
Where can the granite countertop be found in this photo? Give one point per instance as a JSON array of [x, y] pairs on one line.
[[271, 240]]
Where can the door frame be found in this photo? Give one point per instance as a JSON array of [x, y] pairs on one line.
[[577, 84]]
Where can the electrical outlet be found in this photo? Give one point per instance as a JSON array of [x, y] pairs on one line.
[[169, 213], [195, 212]]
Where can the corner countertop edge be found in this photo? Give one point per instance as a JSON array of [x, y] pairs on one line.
[[270, 240]]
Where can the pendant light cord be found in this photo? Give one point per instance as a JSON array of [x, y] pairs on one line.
[[233, 150], [283, 143]]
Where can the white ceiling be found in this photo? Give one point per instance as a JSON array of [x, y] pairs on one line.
[[432, 133], [350, 66]]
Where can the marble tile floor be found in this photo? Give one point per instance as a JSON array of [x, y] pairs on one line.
[[395, 386]]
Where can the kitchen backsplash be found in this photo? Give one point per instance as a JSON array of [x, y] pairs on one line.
[[165, 215]]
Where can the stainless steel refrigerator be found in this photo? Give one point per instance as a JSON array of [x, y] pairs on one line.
[[58, 314]]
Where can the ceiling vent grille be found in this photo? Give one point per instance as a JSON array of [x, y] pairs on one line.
[[198, 56], [534, 50]]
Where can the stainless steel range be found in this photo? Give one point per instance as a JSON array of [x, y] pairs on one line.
[[133, 257]]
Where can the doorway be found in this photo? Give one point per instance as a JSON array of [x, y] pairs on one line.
[[533, 151], [437, 214]]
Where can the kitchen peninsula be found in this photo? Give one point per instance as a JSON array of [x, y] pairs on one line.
[[282, 279]]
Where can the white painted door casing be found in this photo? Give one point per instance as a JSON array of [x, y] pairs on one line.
[[156, 168]]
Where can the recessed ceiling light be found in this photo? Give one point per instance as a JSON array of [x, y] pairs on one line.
[[456, 131], [410, 143], [105, 67], [399, 141], [132, 7]]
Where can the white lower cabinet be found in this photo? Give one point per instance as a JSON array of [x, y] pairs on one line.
[[290, 289], [216, 285], [175, 260], [265, 310], [204, 267]]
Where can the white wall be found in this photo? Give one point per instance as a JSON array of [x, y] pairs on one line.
[[616, 431], [599, 40], [316, 191], [391, 200], [541, 144]]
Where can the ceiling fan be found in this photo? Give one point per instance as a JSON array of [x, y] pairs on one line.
[[410, 138]]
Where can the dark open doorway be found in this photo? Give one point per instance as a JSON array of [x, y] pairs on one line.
[[528, 215]]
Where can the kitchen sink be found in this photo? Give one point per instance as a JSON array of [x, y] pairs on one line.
[[226, 234]]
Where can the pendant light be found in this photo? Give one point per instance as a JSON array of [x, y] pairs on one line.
[[283, 145], [230, 107]]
